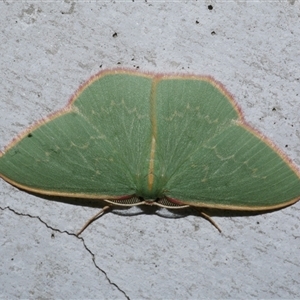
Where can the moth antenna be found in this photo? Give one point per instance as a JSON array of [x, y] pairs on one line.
[[208, 218], [94, 218]]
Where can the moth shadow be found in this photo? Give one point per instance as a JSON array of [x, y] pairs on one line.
[[153, 209]]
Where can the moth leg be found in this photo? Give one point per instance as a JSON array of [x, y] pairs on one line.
[[95, 217], [208, 218]]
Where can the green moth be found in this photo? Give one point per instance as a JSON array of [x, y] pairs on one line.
[[131, 138]]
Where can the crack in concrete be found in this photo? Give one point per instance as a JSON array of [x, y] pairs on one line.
[[71, 234]]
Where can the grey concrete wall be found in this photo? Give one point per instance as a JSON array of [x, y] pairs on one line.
[[48, 49]]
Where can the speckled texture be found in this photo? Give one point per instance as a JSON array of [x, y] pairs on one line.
[[48, 49]]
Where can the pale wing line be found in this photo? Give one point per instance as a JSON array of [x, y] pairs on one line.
[[208, 120], [112, 146], [66, 154], [222, 127], [115, 125], [189, 156], [270, 170], [174, 151], [42, 174]]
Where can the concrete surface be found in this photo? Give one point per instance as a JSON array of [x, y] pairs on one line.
[[48, 49]]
